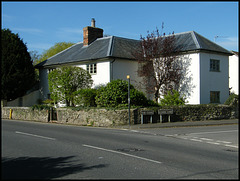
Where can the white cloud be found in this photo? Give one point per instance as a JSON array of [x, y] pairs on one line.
[[28, 30], [69, 34], [70, 30], [7, 17], [229, 43]]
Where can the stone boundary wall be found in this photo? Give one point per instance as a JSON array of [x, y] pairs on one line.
[[194, 113], [105, 117], [95, 117], [25, 113], [206, 112]]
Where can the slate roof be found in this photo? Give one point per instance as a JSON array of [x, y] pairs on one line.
[[118, 47], [192, 41]]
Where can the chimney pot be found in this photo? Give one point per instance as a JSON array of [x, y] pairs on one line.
[[93, 22]]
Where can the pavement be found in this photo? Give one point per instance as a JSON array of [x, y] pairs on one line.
[[180, 124]]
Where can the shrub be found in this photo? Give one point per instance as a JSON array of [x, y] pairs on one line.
[[86, 97], [48, 102], [172, 99], [40, 107], [115, 94], [64, 82], [230, 99], [138, 98]]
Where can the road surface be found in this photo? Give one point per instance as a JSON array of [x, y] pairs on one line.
[[32, 150]]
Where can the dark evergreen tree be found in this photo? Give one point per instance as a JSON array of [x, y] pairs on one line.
[[17, 71]]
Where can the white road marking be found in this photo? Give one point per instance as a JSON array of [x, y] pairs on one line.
[[98, 148], [210, 141], [134, 131], [28, 134], [214, 143], [234, 146], [196, 140], [206, 139], [225, 142], [214, 132]]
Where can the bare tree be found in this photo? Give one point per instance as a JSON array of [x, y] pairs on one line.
[[159, 64]]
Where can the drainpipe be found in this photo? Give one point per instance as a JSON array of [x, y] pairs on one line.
[[111, 69]]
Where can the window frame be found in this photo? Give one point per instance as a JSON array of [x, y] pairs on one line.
[[92, 68], [215, 97], [214, 65]]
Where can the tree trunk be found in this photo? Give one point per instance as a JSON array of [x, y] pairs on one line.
[[67, 103], [156, 94]]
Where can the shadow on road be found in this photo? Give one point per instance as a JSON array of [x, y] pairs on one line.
[[41, 167]]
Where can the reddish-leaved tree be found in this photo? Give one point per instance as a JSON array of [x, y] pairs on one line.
[[159, 64]]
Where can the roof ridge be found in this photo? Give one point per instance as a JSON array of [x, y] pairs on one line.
[[178, 33], [110, 47], [195, 39], [213, 43], [104, 37], [126, 38]]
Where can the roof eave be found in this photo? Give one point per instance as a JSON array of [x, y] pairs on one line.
[[206, 51]]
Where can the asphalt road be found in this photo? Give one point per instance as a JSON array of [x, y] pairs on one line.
[[32, 150]]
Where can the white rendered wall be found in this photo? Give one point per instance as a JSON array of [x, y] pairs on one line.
[[201, 83], [234, 73], [101, 77], [120, 68], [103, 72], [213, 81], [193, 72]]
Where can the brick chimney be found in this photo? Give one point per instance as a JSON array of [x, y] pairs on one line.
[[91, 33]]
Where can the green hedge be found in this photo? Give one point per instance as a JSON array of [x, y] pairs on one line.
[[231, 98], [115, 94], [86, 97], [41, 107]]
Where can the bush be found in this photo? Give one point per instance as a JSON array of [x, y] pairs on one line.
[[48, 102], [230, 99], [115, 94], [86, 97], [172, 99], [40, 107], [64, 82], [138, 98]]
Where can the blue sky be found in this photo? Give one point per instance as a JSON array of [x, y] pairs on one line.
[[42, 24]]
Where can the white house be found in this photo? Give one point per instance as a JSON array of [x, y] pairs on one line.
[[110, 58], [234, 73]]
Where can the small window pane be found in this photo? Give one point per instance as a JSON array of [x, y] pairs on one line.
[[92, 68], [214, 96], [214, 65]]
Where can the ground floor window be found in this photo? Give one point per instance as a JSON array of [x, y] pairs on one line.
[[50, 70], [214, 96], [92, 68]]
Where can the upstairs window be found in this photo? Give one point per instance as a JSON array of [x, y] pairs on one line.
[[214, 96], [214, 65], [92, 68]]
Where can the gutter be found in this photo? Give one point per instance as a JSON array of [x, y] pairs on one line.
[[111, 69]]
